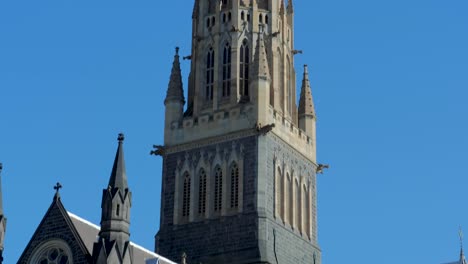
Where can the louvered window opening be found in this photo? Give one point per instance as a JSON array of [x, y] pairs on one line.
[[227, 71], [202, 193], [218, 196], [234, 186], [209, 74], [186, 196], [244, 68]]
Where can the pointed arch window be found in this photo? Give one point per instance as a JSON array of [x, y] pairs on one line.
[[279, 194], [209, 74], [218, 190], [297, 206], [289, 87], [291, 200], [244, 68], [186, 196], [202, 192], [234, 186], [227, 70]]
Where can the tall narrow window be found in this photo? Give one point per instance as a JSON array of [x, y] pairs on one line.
[[209, 74], [227, 70], [281, 79], [202, 193], [289, 87], [218, 191], [298, 202], [244, 68], [117, 210], [279, 194], [234, 186], [306, 211], [186, 196], [291, 201]]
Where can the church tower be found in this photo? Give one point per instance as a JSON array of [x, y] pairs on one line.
[[2, 219], [113, 245], [239, 164]]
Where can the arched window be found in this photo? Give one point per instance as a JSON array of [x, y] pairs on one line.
[[291, 201], [266, 19], [224, 18], [186, 196], [242, 16], [297, 206], [289, 87], [306, 211], [117, 210], [281, 79], [209, 74], [202, 192], [244, 68], [260, 18], [213, 21], [279, 194], [218, 190], [227, 70], [234, 186]]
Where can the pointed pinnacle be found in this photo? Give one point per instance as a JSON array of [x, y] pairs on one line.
[[260, 63], [306, 104], [175, 90], [118, 178], [290, 7]]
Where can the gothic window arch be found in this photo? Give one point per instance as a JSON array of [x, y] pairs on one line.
[[288, 208], [202, 192], [305, 211], [289, 93], [53, 252], [209, 74], [186, 195], [281, 78], [226, 70], [279, 194], [218, 190], [235, 185], [297, 206], [244, 68], [242, 16], [260, 18], [266, 19]]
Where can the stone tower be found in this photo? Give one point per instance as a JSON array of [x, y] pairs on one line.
[[2, 219], [113, 245], [239, 164]]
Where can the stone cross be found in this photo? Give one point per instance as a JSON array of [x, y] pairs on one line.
[[57, 187]]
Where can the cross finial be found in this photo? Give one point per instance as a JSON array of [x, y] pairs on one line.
[[1, 167], [177, 51], [121, 137], [57, 187]]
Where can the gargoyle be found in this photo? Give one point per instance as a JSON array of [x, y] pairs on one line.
[[263, 130], [321, 167], [158, 150]]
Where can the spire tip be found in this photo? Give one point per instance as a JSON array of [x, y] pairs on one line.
[[121, 138], [177, 51]]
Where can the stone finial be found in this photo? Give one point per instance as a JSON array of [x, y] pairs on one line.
[[121, 138], [184, 258], [175, 91], [306, 104]]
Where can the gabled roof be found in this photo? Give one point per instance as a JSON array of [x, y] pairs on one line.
[[56, 224], [89, 233]]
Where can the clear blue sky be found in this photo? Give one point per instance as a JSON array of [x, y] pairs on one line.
[[390, 83]]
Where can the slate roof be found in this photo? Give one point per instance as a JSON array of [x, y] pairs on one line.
[[89, 233]]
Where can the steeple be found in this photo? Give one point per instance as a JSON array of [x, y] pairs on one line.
[[306, 104], [462, 255], [260, 64], [195, 9], [113, 245], [175, 91], [2, 219], [118, 178]]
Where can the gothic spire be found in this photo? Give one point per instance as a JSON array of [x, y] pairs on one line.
[[260, 64], [290, 7], [113, 243], [195, 9], [118, 178], [462, 255], [282, 8], [175, 89], [306, 104]]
